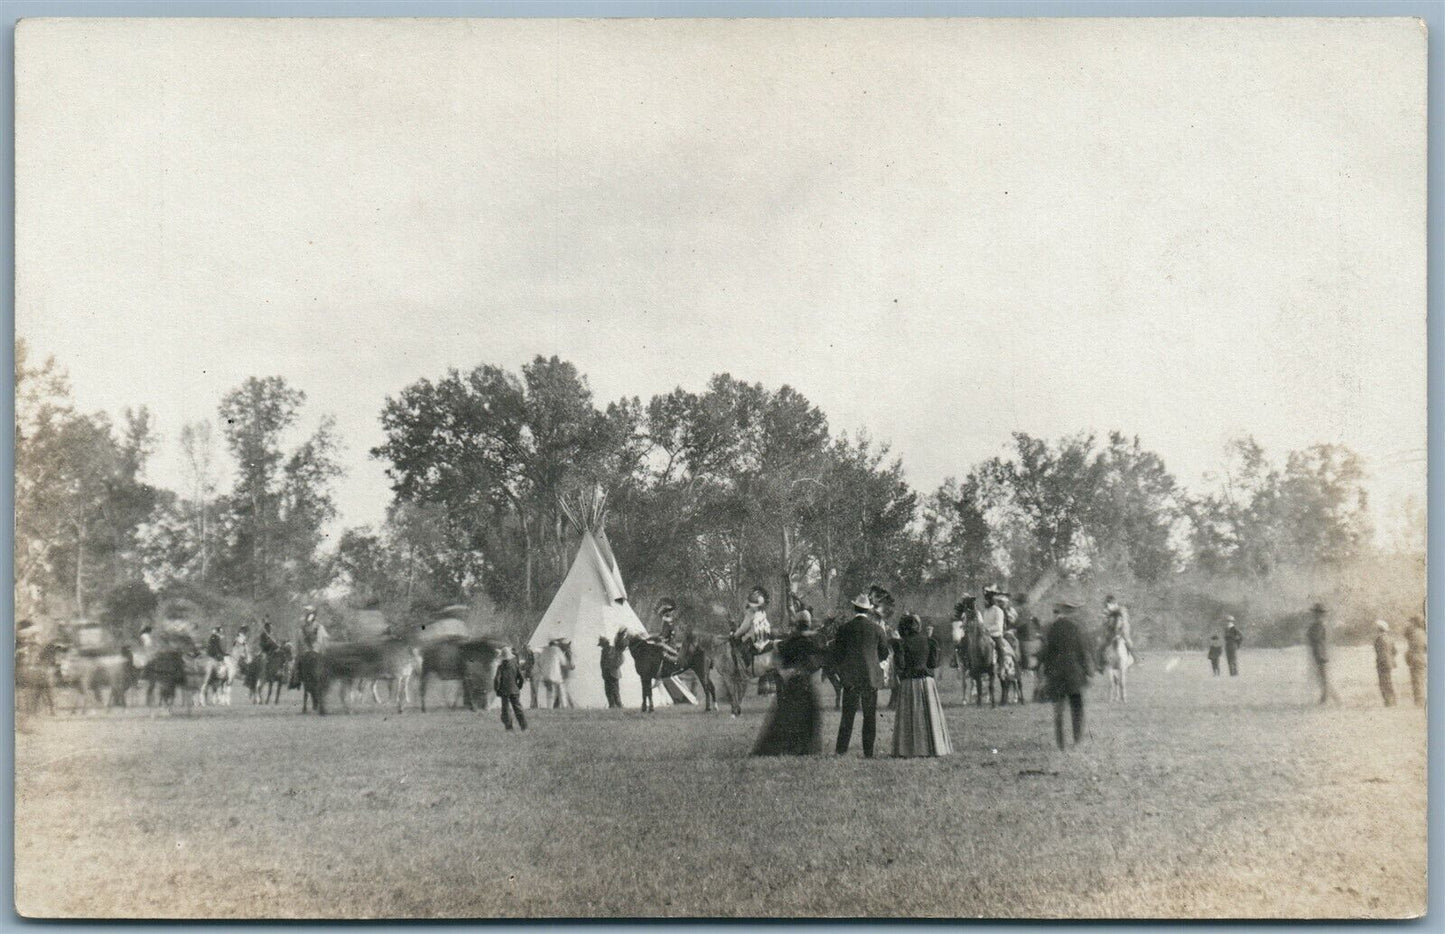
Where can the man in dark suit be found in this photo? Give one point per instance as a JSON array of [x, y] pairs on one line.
[[1066, 661], [858, 652], [1233, 639]]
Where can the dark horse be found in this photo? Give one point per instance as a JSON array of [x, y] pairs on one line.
[[653, 664], [978, 659]]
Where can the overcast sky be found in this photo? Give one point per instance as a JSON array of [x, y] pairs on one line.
[[941, 232]]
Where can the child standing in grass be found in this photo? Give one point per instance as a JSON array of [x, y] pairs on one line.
[[508, 685]]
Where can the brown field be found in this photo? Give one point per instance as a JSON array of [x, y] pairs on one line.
[[1201, 797]]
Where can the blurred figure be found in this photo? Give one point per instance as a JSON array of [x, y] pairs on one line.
[[1216, 649], [216, 644], [1233, 639], [1385, 662], [1416, 658], [1319, 642], [1067, 667], [752, 635], [555, 662], [794, 727]]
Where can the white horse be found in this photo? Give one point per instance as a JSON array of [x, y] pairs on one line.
[[735, 675], [1118, 659], [220, 677]]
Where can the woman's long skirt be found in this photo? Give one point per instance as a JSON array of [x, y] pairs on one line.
[[794, 726], [919, 728]]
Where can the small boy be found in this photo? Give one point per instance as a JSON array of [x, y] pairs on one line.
[[1216, 649], [508, 685]]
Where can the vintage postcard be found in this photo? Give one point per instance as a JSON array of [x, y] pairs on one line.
[[798, 468]]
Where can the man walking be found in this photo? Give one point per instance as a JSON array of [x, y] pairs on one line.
[[611, 671], [1416, 658], [859, 650], [1066, 661], [1385, 662], [507, 683], [1233, 639], [1319, 642]]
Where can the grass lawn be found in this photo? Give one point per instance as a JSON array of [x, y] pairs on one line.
[[1200, 797]]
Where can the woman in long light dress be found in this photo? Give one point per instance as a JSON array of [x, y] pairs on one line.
[[919, 729]]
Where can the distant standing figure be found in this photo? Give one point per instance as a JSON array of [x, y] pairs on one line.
[[920, 728], [507, 683], [611, 671], [1216, 649], [555, 664], [1233, 639], [859, 650], [1067, 668], [1416, 658], [1385, 660], [794, 726], [1319, 640]]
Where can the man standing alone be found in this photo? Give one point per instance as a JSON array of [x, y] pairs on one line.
[[1066, 663], [508, 684], [1416, 658], [1233, 638], [1319, 640], [611, 671], [858, 653], [1385, 662]]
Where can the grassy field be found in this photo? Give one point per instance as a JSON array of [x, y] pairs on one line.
[[1200, 797]]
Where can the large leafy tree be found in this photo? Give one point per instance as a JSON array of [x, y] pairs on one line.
[[274, 516]]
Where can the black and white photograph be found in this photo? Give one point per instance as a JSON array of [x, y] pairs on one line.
[[708, 468]]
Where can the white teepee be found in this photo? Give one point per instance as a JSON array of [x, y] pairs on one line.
[[592, 604]]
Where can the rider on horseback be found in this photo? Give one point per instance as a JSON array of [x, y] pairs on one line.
[[666, 612], [755, 632], [1116, 623], [995, 619]]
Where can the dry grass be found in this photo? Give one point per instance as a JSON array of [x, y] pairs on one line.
[[1201, 797]]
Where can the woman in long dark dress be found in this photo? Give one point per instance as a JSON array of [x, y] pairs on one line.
[[919, 728], [794, 725]]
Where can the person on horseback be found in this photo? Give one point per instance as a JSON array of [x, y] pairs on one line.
[[269, 645], [313, 634], [1116, 623], [752, 635], [216, 644], [241, 646], [666, 612], [995, 619]]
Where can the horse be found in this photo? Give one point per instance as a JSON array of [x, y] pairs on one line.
[[469, 661], [653, 664], [1010, 674], [220, 676], [979, 661], [276, 674], [36, 674], [735, 673], [1117, 659]]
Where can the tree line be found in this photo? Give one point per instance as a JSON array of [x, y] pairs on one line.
[[710, 492]]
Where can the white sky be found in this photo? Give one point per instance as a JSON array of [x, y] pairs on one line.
[[940, 231]]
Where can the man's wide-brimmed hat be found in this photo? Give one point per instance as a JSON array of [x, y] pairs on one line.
[[1381, 625], [1065, 606], [1228, 619], [507, 651], [992, 589], [1317, 609], [862, 602]]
